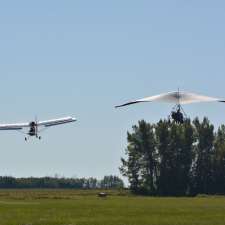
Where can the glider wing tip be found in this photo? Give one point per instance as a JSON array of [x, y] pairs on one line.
[[126, 104], [129, 103], [118, 106]]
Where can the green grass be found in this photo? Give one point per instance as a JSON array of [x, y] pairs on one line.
[[66, 207]]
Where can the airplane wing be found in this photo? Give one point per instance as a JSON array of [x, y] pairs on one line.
[[16, 126], [55, 122], [175, 97]]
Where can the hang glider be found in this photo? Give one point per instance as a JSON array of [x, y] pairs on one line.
[[178, 98], [36, 127]]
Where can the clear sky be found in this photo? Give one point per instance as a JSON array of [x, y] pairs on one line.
[[82, 58]]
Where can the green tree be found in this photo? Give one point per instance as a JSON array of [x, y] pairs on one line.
[[164, 150], [219, 161], [175, 146], [132, 166], [111, 182], [204, 154], [141, 165]]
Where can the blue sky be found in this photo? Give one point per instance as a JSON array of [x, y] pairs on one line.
[[82, 58]]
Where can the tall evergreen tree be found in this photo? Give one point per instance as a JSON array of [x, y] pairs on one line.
[[148, 150], [204, 153], [141, 165], [184, 158], [219, 162], [164, 150], [175, 155], [131, 167]]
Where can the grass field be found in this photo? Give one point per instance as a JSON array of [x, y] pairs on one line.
[[66, 207]]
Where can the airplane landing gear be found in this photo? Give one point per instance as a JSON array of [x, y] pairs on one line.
[[27, 138]]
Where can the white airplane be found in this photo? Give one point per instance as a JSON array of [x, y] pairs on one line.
[[36, 127], [178, 98]]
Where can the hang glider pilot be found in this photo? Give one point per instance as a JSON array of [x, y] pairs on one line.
[[178, 116]]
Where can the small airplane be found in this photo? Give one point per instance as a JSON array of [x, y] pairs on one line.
[[36, 127], [178, 98]]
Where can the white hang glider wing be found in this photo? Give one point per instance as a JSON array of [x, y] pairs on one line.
[[177, 97]]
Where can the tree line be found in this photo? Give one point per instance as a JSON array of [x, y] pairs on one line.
[[108, 182], [169, 159]]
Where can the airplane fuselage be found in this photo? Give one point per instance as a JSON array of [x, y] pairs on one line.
[[33, 129]]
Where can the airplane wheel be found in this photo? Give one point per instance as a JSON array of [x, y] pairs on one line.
[[40, 138], [25, 139]]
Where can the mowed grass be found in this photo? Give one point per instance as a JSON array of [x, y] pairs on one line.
[[67, 207]]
